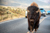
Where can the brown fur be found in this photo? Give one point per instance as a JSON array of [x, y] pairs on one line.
[[37, 21], [34, 4]]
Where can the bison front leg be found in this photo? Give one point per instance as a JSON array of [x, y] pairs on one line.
[[30, 28], [36, 26], [35, 29]]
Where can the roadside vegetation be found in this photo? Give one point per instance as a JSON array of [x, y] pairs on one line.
[[9, 13]]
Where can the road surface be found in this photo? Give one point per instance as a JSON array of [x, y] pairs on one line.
[[21, 25]]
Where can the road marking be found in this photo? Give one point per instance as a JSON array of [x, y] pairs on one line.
[[42, 19], [10, 20]]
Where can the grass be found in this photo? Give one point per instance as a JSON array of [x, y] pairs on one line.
[[8, 13], [11, 16]]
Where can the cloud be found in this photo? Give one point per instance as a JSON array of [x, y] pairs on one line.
[[44, 6], [4, 2], [45, 1], [13, 3], [25, 3], [19, 2]]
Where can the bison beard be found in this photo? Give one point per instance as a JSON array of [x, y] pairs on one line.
[[33, 17]]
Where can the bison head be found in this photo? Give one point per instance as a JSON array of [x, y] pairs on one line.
[[32, 13]]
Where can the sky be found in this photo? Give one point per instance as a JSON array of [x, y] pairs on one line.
[[25, 3]]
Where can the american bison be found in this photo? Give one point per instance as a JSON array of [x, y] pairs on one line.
[[33, 15]]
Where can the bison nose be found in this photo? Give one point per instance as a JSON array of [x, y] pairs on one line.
[[31, 20]]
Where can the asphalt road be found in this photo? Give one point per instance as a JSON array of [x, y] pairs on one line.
[[21, 25]]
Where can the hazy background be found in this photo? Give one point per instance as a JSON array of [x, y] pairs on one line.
[[10, 9], [25, 3]]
